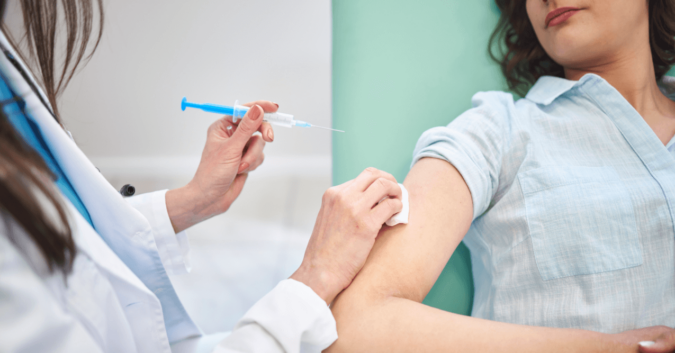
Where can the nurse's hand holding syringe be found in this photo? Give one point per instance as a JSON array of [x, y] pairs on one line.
[[231, 151]]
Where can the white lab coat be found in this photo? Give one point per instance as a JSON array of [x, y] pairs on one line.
[[119, 297]]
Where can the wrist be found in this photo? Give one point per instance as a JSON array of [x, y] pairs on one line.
[[184, 208], [613, 343], [320, 281]]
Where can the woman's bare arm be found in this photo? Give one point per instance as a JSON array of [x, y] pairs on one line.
[[381, 311]]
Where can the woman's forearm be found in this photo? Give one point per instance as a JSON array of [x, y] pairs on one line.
[[391, 324]]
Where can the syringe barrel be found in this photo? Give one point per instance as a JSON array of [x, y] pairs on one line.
[[238, 111], [281, 119]]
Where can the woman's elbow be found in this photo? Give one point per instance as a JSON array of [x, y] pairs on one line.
[[349, 313], [358, 313]]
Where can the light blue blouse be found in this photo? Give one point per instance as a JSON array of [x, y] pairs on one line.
[[574, 206]]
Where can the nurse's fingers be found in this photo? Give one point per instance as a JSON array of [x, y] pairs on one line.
[[268, 107], [386, 209], [248, 126], [368, 176], [381, 188], [265, 128], [266, 131], [254, 156]]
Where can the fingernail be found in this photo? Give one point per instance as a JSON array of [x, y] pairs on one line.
[[277, 104], [258, 112], [270, 135], [242, 167], [647, 343]]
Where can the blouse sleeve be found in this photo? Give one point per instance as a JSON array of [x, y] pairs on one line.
[[474, 143]]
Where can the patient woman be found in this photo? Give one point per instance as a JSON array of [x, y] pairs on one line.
[[566, 198]]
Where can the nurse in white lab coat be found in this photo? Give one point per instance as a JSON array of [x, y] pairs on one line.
[[117, 296]]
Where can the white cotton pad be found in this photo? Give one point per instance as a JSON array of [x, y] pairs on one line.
[[401, 217]]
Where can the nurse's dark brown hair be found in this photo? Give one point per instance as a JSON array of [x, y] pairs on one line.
[[27, 192], [43, 20], [515, 47]]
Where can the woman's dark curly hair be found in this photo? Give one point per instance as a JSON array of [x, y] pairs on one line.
[[514, 45]]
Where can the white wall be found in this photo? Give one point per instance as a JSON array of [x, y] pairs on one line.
[[124, 107]]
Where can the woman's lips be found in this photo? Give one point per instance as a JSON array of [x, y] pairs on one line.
[[560, 15]]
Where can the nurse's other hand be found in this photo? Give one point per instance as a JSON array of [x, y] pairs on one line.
[[231, 151], [345, 230], [662, 336]]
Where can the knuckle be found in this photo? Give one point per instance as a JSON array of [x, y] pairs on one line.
[[211, 128], [246, 126], [370, 170], [329, 195], [388, 176], [382, 182], [395, 204]]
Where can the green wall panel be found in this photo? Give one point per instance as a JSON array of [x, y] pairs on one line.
[[400, 68]]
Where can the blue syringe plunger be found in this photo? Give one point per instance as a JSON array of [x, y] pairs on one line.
[[237, 112]]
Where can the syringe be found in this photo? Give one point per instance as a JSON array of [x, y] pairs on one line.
[[238, 111]]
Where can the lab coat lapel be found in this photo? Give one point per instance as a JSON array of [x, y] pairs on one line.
[[121, 226], [140, 305]]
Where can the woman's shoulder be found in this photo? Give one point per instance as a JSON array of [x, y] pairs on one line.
[[488, 107], [493, 99]]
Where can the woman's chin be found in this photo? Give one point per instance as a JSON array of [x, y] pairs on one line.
[[570, 52]]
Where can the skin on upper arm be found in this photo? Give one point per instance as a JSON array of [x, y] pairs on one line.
[[407, 259]]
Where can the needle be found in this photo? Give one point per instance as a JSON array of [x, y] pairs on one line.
[[327, 128]]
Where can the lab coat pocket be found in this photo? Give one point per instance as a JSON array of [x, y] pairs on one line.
[[581, 221]]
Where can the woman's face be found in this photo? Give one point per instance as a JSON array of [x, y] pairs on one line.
[[583, 34]]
